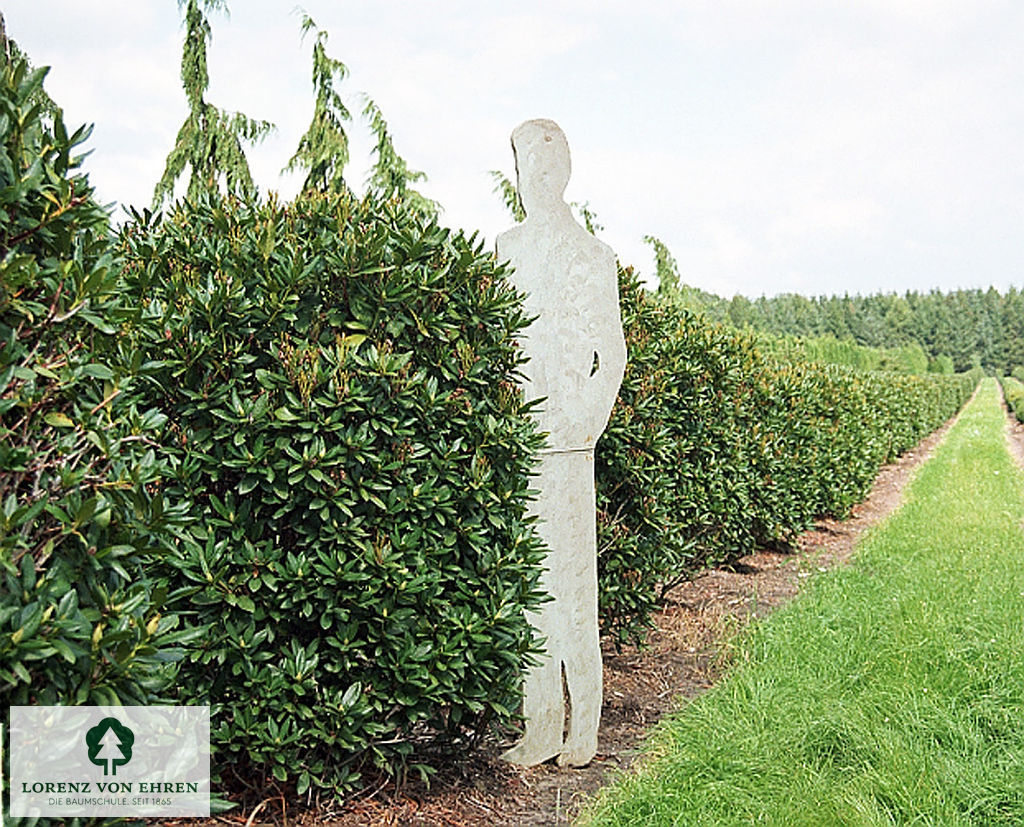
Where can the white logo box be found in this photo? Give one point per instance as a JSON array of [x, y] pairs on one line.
[[85, 761]]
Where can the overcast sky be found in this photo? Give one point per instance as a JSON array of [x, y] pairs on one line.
[[809, 146]]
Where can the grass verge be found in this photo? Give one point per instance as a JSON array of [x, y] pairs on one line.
[[890, 692]]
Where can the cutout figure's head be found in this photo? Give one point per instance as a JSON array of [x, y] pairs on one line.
[[542, 164]]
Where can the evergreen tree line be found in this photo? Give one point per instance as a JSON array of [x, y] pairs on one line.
[[957, 330]]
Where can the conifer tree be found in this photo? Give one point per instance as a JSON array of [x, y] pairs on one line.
[[664, 266], [391, 176], [323, 150], [210, 140]]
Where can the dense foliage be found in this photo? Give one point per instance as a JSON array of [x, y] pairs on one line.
[[338, 382], [82, 513], [716, 448]]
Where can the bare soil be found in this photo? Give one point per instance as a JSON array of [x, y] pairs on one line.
[[685, 653]]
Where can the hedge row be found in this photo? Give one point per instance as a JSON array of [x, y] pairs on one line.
[[830, 350], [716, 449], [82, 516], [1013, 393], [338, 381]]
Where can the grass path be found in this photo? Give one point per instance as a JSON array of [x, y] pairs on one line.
[[890, 692]]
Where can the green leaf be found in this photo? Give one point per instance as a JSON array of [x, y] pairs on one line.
[[351, 695], [98, 322], [58, 420], [99, 371]]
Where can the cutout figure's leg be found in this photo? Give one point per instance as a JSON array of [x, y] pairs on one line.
[[543, 704], [583, 673], [544, 711], [583, 651], [583, 676]]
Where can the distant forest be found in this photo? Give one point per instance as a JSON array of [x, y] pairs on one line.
[[967, 327]]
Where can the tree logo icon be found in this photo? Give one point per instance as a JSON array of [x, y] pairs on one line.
[[110, 745]]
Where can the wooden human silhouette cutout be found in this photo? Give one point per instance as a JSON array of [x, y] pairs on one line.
[[577, 357]]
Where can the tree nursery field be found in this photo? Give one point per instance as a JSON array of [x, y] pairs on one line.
[[271, 457]]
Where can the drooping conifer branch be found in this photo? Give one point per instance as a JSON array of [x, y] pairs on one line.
[[323, 149], [504, 187], [210, 140], [664, 266], [391, 176]]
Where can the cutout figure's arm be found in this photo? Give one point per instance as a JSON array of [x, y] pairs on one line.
[[610, 358], [613, 356]]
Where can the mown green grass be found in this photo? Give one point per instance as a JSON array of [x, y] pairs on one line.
[[890, 692]]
